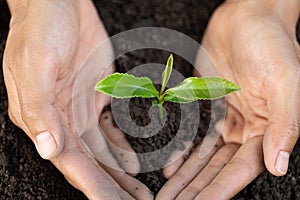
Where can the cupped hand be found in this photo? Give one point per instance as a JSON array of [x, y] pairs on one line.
[[46, 45], [253, 44]]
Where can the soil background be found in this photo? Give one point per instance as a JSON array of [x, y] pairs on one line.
[[24, 175]]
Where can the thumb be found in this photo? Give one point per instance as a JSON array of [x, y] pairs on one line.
[[40, 116], [45, 130], [283, 130], [35, 108]]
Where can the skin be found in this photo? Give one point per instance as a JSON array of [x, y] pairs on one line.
[[253, 44], [46, 45]]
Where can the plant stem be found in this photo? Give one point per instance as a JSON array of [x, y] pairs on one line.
[[160, 106], [161, 112]]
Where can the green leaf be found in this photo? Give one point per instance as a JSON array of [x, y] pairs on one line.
[[167, 73], [154, 102], [192, 89], [127, 86]]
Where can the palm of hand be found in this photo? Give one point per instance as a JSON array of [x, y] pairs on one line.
[[251, 54], [261, 54]]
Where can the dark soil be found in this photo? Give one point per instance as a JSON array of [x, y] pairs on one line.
[[24, 175], [189, 125]]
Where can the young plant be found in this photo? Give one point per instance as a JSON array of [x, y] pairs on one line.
[[122, 85]]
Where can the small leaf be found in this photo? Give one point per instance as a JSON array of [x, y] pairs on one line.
[[167, 73], [154, 102], [192, 89], [127, 86]]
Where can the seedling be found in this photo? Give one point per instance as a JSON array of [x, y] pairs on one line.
[[122, 85]]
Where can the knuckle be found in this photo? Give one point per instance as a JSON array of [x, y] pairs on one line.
[[12, 60], [181, 177], [223, 189], [217, 162], [66, 154], [293, 131], [16, 118], [28, 111], [192, 189], [223, 156], [238, 163]]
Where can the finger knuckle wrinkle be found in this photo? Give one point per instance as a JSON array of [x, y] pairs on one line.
[[29, 111], [217, 162], [181, 177], [192, 189], [241, 164], [293, 130], [223, 190], [65, 156]]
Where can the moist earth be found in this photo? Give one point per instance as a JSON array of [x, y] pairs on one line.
[[24, 175]]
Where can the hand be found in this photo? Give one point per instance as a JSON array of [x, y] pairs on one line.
[[46, 45], [253, 44]]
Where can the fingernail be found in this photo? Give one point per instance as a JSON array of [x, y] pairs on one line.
[[45, 144], [282, 162]]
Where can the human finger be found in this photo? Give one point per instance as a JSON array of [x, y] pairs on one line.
[[211, 170], [130, 184], [192, 166], [84, 173], [282, 132], [119, 145], [95, 143], [176, 159], [32, 103], [243, 168]]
